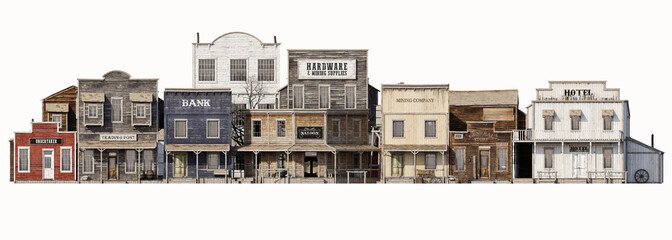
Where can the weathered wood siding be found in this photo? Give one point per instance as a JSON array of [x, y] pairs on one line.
[[459, 116], [347, 129], [66, 96], [642, 156], [219, 108], [269, 128], [481, 136], [591, 123]]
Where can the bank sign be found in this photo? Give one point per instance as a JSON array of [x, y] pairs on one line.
[[327, 69]]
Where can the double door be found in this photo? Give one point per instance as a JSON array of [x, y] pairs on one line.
[[579, 165], [310, 167], [481, 165]]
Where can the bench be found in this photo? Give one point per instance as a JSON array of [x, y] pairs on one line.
[[220, 172]]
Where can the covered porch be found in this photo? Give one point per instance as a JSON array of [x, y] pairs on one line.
[[125, 162], [415, 164], [197, 163]]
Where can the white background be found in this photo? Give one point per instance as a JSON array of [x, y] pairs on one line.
[[46, 45]]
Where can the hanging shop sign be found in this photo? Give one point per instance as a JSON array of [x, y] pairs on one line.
[[309, 132], [327, 69]]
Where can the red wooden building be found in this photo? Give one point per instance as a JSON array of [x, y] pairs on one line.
[[45, 153]]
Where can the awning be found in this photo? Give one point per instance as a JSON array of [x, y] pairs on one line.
[[197, 147], [311, 148], [92, 97], [420, 148], [140, 97], [117, 145], [57, 107], [264, 148], [356, 148]]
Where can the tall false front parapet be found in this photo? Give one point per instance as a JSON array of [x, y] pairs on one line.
[[415, 133], [118, 128], [575, 133]]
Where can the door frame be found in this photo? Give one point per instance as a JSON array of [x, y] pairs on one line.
[[401, 162], [53, 154], [585, 164], [116, 165], [480, 163]]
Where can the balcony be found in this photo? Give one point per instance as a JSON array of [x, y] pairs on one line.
[[582, 135]]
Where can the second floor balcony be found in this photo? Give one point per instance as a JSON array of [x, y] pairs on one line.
[[560, 135]]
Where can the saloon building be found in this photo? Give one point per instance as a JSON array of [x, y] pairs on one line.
[[197, 134], [243, 63], [45, 153], [575, 133], [481, 128], [319, 134], [118, 128], [415, 133]]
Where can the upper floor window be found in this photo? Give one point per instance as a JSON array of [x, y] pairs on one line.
[[57, 118], [576, 120], [298, 96], [350, 96], [280, 128], [266, 106], [430, 128], [238, 69], [548, 122], [256, 128], [607, 118], [117, 109], [324, 96], [398, 128], [212, 128], [181, 128], [266, 69], [357, 125], [206, 70], [140, 110]]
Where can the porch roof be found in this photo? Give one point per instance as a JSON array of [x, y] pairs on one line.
[[420, 148], [117, 145], [265, 148], [311, 148], [197, 147], [355, 148]]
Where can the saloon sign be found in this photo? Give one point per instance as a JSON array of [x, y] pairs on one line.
[[309, 132], [327, 69]]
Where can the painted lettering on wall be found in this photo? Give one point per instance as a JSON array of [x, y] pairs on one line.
[[415, 100], [577, 92], [195, 102], [309, 132], [327, 68], [578, 148]]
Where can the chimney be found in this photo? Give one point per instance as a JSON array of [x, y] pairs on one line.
[[275, 40], [198, 38], [33, 120], [651, 140]]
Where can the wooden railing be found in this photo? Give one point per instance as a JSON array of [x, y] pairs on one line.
[[551, 135], [547, 174], [608, 175]]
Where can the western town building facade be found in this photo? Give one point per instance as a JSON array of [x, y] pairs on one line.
[[44, 153], [319, 134], [243, 63], [61, 107], [415, 133], [575, 133], [481, 128], [118, 128], [197, 134]]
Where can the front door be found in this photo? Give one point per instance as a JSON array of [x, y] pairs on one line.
[[310, 167], [484, 163], [48, 164], [180, 169], [579, 165], [112, 165]]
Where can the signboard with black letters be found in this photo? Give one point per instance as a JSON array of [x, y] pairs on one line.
[[46, 141], [309, 132]]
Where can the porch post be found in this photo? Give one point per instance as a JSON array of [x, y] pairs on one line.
[[415, 166], [165, 174], [287, 164], [360, 160], [197, 153], [137, 165], [101, 163], [226, 167], [256, 171], [335, 166], [443, 156], [293, 167]]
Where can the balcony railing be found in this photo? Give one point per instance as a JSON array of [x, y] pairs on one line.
[[608, 175], [551, 135]]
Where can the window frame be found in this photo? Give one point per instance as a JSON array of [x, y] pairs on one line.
[[551, 160], [611, 123], [93, 162], [435, 160], [60, 123], [61, 158], [207, 128], [135, 161], [277, 128], [548, 125], [354, 96], [260, 130], [319, 91], [435, 128], [231, 70], [336, 133], [611, 158], [259, 70], [506, 159], [403, 128], [464, 159], [357, 127], [144, 109], [88, 111], [214, 71], [186, 128], [18, 159], [121, 109], [303, 96], [578, 123]]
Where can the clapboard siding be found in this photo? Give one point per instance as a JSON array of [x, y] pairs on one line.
[[641, 156], [67, 96], [563, 158], [479, 136], [459, 116], [219, 108]]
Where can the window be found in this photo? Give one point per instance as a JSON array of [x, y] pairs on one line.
[[430, 160], [350, 96], [117, 110], [282, 159], [24, 159], [140, 110], [357, 125], [357, 161], [430, 129], [280, 128], [57, 118], [266, 106], [148, 159], [502, 156], [66, 159], [607, 122], [397, 165], [607, 154], [131, 161], [576, 122], [92, 110], [548, 122], [206, 70], [256, 128], [398, 128], [266, 69], [298, 96], [213, 160], [88, 161], [181, 128], [324, 97], [336, 127], [548, 157], [238, 69], [212, 128], [459, 159]]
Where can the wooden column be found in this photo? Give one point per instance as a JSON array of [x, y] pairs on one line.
[[335, 164], [197, 153], [101, 163], [256, 170], [443, 156], [226, 167], [415, 165]]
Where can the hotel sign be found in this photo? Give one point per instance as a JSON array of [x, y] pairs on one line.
[[578, 148], [118, 137], [309, 132], [46, 141], [327, 69]]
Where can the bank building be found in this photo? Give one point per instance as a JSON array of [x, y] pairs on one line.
[[319, 133], [117, 128]]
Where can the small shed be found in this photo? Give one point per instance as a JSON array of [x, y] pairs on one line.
[[644, 162]]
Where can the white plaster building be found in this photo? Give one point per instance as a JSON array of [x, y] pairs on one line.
[[575, 133], [235, 58]]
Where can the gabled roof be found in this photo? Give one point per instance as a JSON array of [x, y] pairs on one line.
[[59, 92], [643, 144]]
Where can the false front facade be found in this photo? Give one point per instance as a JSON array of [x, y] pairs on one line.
[[45, 153]]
